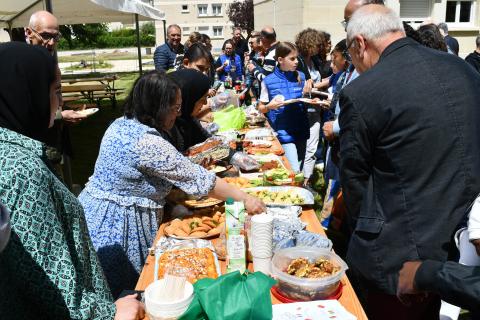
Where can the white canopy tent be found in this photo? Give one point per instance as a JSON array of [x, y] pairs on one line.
[[16, 13]]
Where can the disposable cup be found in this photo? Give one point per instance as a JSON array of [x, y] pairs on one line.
[[262, 265], [262, 218], [158, 310]]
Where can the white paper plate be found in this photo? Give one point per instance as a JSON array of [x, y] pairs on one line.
[[218, 169], [87, 112]]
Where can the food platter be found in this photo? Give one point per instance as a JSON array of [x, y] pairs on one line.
[[269, 159], [201, 203], [179, 267], [177, 196], [196, 226], [282, 196]]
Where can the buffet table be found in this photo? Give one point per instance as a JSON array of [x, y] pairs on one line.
[[348, 298]]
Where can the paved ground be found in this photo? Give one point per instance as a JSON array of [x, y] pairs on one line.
[[99, 51], [117, 66]]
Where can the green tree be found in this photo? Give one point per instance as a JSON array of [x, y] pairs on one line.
[[83, 35], [147, 29], [240, 14]]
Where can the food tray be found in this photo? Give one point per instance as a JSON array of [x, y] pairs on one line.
[[306, 289], [260, 134], [262, 158], [304, 193], [164, 244], [218, 225], [179, 197], [218, 152]]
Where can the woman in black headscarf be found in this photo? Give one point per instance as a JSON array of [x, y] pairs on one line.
[[26, 76], [188, 131], [60, 276]]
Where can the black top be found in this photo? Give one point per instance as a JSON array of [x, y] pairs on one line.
[[409, 158], [454, 283], [474, 60], [26, 75], [452, 43]]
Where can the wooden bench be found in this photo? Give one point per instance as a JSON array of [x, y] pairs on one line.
[[93, 93]]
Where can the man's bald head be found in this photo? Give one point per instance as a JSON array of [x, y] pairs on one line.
[[268, 37], [42, 30], [354, 5], [43, 19]]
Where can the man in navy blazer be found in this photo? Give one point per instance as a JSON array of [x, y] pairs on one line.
[[409, 156]]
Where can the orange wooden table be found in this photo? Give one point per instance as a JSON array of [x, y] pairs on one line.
[[348, 299]]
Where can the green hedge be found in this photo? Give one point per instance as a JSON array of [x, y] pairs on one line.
[[121, 38]]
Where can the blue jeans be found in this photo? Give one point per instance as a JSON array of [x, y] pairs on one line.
[[295, 153]]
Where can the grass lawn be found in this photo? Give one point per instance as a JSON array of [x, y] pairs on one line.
[[87, 135]]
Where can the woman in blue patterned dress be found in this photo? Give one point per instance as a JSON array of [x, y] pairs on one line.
[[135, 170]]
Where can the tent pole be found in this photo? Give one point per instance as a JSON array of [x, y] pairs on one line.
[[164, 30], [48, 5], [139, 50]]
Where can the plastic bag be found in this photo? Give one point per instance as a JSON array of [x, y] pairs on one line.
[[230, 118], [244, 162], [212, 127], [219, 101], [232, 296]]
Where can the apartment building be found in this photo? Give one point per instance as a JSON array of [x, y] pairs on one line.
[[290, 16], [204, 16]]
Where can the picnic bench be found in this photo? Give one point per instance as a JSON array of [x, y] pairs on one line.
[[91, 89]]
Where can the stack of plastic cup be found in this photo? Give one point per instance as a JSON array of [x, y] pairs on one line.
[[261, 232]]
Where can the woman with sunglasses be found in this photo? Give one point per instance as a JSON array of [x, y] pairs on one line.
[[135, 170]]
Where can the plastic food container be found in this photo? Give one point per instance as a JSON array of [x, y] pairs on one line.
[[166, 311], [305, 289]]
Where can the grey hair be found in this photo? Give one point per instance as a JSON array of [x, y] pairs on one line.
[[443, 26], [173, 26], [373, 24], [477, 41]]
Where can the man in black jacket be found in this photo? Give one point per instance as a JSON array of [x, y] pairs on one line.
[[409, 155], [455, 283], [474, 58]]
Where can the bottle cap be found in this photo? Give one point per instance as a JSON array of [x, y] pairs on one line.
[[229, 201]]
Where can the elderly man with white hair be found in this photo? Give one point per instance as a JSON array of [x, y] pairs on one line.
[[409, 156]]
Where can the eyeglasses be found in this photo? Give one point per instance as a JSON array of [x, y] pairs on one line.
[[47, 37], [345, 53], [177, 107]]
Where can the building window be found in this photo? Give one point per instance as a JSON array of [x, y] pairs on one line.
[[218, 31], [184, 7], [202, 9], [217, 9], [186, 30], [459, 11], [415, 10], [203, 30]]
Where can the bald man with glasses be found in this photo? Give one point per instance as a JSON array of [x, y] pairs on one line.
[[43, 30]]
